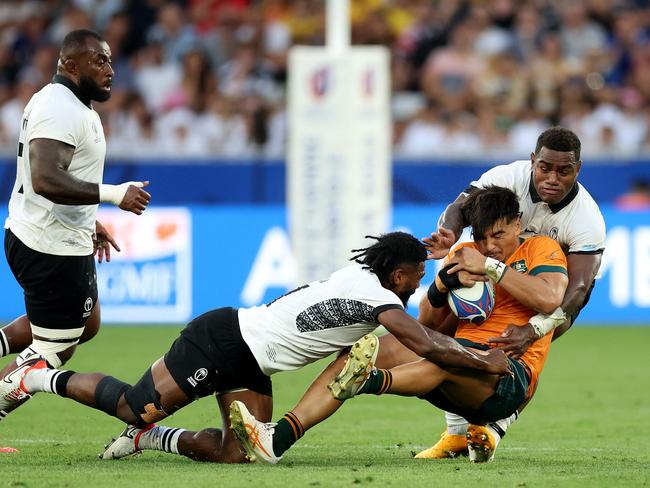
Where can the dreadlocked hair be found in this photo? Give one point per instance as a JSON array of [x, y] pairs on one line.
[[484, 207], [390, 251]]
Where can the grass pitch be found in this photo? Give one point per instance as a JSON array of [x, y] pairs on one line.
[[586, 427]]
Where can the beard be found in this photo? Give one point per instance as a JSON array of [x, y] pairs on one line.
[[92, 90], [404, 297]]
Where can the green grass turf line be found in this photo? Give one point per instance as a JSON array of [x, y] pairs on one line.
[[585, 427]]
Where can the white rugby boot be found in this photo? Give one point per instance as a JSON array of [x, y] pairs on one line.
[[255, 437], [357, 369], [12, 389], [126, 443]]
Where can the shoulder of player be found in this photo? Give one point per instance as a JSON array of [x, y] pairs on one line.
[[355, 275], [585, 198], [543, 255], [517, 168], [514, 176], [57, 101], [362, 283], [540, 243], [583, 211]]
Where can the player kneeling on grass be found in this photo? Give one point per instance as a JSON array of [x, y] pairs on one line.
[[529, 277], [232, 353]]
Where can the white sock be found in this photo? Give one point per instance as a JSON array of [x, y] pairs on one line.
[[501, 426], [42, 380], [456, 425], [161, 438], [4, 344]]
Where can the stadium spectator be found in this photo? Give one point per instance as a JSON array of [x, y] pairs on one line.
[[173, 31], [233, 352], [494, 63]]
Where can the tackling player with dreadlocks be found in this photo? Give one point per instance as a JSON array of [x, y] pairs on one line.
[[232, 353]]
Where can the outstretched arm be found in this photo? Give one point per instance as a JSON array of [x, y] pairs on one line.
[[437, 347]]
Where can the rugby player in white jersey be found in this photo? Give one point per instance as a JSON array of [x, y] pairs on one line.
[[553, 204], [232, 353], [51, 233]]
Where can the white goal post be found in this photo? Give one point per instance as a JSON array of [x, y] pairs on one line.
[[339, 151]]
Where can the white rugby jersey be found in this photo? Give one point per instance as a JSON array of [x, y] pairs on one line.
[[575, 223], [315, 320], [55, 112]]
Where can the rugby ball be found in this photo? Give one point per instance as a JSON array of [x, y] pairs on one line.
[[472, 303]]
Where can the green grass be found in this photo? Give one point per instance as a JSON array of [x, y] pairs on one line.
[[586, 427]]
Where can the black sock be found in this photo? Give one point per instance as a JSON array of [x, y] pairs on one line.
[[286, 433], [379, 381], [60, 383]]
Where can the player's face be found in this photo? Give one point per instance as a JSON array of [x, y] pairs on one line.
[[500, 240], [554, 173], [95, 70], [406, 279]]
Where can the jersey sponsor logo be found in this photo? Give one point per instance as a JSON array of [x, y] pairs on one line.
[[519, 266], [333, 313], [199, 375]]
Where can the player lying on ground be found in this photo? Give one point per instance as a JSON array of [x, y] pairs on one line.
[[530, 277], [553, 203], [233, 353]]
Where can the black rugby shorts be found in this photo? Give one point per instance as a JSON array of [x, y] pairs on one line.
[[60, 291]]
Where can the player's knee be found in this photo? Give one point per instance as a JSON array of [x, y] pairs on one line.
[[55, 353], [144, 400], [108, 393]]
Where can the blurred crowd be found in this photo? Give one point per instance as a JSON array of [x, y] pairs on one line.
[[205, 78]]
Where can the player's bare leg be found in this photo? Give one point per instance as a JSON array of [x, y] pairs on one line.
[[317, 403], [221, 446]]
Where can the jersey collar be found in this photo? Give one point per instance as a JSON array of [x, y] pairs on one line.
[[555, 207], [70, 85]]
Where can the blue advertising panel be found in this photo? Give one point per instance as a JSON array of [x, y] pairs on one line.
[[179, 262]]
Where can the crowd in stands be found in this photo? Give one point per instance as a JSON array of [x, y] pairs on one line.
[[206, 78]]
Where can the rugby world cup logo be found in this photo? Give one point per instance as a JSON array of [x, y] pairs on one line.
[[319, 82]]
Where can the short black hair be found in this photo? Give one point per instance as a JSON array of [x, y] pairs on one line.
[[559, 139], [389, 252], [484, 207], [75, 42]]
